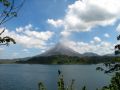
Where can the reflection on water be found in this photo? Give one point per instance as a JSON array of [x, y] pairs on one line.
[[27, 76]]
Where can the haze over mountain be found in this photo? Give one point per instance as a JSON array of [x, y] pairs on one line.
[[62, 49], [62, 54], [90, 54]]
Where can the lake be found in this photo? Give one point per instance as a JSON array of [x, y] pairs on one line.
[[27, 76]]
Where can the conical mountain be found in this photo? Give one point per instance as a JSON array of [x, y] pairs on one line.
[[60, 49]]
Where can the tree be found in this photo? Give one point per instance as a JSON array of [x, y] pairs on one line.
[[115, 83], [113, 68], [8, 10]]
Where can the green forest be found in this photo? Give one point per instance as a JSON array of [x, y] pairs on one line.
[[64, 59]]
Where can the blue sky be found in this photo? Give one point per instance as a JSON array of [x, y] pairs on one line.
[[83, 25]]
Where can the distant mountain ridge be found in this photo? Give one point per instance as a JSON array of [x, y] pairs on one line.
[[61, 49], [90, 54], [62, 54]]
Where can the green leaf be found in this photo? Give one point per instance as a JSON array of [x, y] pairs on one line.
[[14, 14], [6, 3]]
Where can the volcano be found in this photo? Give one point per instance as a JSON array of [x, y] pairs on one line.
[[60, 49]]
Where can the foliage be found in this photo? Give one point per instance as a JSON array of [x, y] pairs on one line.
[[115, 83], [41, 86], [113, 68], [61, 84], [8, 10], [84, 88]]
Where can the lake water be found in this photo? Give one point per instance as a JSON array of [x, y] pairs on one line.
[[27, 76]]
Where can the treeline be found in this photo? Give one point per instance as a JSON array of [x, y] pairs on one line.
[[63, 59]]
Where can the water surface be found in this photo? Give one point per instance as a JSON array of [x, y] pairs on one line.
[[27, 76]]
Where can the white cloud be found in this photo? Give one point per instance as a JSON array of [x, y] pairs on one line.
[[29, 37], [20, 29], [83, 15], [99, 48], [55, 23], [40, 35], [97, 39], [65, 34], [118, 28], [106, 35]]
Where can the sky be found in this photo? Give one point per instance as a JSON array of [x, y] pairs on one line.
[[83, 25]]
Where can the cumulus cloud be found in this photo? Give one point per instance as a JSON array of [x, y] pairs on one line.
[[101, 48], [65, 34], [106, 35], [83, 15], [97, 39], [29, 37], [96, 45], [55, 23]]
